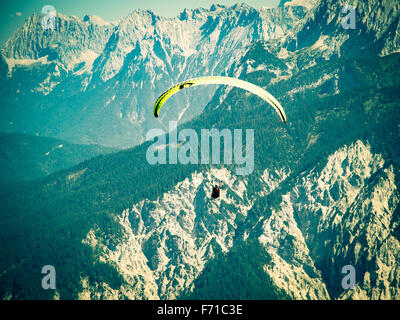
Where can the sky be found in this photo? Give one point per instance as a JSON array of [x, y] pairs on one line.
[[14, 12]]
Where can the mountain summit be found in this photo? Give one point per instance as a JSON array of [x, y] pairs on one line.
[[110, 74]]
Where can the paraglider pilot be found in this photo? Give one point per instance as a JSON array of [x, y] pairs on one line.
[[216, 191]]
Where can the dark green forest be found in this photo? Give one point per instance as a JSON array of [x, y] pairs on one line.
[[236, 275]]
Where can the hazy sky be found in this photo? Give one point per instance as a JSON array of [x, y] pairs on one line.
[[14, 12]]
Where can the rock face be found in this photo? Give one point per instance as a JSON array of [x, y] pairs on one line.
[[340, 210], [70, 44], [168, 241], [342, 214], [321, 34], [116, 71]]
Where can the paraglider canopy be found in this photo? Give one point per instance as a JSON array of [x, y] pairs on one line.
[[223, 81]]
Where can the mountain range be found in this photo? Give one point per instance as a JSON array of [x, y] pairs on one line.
[[324, 193], [90, 81]]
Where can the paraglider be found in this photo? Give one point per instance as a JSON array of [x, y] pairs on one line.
[[223, 81], [266, 96]]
